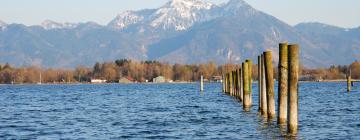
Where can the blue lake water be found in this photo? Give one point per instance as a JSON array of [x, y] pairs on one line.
[[167, 111]]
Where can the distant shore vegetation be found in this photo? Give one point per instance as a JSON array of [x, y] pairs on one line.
[[145, 71]]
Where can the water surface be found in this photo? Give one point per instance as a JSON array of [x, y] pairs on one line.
[[167, 111]]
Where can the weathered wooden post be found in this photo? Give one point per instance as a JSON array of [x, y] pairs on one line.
[[238, 83], [348, 83], [226, 83], [223, 83], [230, 82], [242, 82], [250, 63], [246, 86], [259, 82], [293, 61], [202, 83], [263, 88], [283, 83], [235, 83], [269, 72]]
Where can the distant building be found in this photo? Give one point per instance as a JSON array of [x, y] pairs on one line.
[[97, 81], [126, 80], [159, 79]]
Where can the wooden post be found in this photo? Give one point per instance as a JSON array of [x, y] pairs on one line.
[[202, 83], [230, 82], [259, 82], [242, 82], [269, 72], [238, 83], [263, 88], [235, 83], [283, 83], [250, 63], [223, 83], [246, 86], [226, 83], [348, 83], [293, 61]]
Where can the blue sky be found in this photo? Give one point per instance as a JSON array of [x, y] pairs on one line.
[[343, 13]]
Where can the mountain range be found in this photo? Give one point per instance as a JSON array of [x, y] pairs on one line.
[[181, 31]]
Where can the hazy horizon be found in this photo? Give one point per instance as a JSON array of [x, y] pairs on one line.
[[342, 14]]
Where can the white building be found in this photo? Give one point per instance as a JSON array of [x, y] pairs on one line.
[[97, 81], [159, 79]]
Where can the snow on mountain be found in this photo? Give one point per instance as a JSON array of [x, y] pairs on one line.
[[235, 7], [180, 14], [174, 15], [49, 25], [125, 19]]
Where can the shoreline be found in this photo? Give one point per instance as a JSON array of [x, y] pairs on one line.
[[149, 83]]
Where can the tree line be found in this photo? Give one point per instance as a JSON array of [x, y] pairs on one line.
[[142, 71]]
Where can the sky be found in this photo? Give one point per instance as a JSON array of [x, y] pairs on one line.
[[342, 13]]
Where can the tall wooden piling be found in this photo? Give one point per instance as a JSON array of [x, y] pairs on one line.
[[250, 63], [269, 84], [349, 83], [259, 82], [263, 88], [202, 83], [226, 82], [283, 83], [238, 82], [223, 83], [246, 86], [234, 83], [293, 61], [231, 82], [242, 82]]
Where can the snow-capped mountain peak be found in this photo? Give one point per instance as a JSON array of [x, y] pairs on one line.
[[189, 4], [234, 7], [125, 19], [48, 25], [181, 14]]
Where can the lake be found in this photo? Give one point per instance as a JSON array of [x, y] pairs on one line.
[[168, 111]]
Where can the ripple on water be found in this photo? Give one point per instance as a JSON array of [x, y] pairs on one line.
[[167, 111]]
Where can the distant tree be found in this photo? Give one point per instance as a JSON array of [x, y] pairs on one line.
[[97, 70], [82, 73], [108, 71], [355, 70]]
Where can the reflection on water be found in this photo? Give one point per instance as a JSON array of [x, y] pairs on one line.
[[168, 111]]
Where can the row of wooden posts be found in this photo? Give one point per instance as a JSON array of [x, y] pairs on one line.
[[238, 83]]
